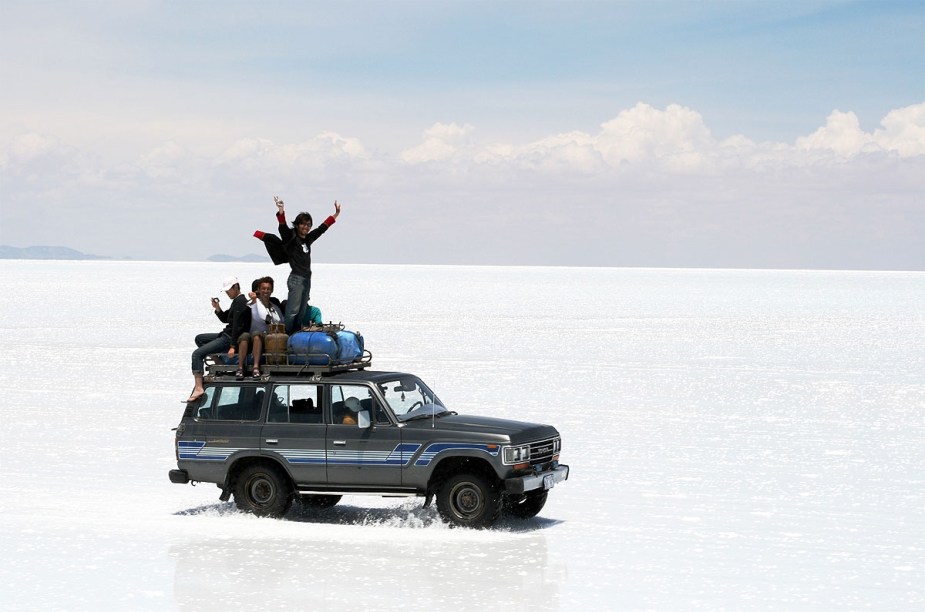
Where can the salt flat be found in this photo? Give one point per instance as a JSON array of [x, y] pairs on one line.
[[737, 439]]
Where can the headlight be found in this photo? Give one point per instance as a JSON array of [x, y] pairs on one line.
[[516, 454]]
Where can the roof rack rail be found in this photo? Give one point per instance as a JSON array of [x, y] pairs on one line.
[[217, 368]]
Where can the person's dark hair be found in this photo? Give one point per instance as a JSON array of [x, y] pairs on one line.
[[302, 217], [264, 279], [256, 284]]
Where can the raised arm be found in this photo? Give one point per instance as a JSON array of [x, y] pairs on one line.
[[280, 210], [285, 232]]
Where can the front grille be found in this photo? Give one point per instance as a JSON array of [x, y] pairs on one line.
[[543, 451]]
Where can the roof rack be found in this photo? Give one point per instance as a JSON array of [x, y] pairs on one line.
[[216, 368]]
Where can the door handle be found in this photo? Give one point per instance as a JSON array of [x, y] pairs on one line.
[[340, 443], [272, 441]]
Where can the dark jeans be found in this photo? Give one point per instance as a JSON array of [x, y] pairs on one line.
[[208, 344], [297, 302]]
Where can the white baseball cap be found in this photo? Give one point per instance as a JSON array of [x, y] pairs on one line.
[[229, 282]]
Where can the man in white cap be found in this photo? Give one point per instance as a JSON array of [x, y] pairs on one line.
[[238, 321]]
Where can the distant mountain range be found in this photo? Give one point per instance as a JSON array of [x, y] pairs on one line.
[[44, 252], [58, 252]]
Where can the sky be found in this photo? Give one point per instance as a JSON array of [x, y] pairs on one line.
[[742, 134]]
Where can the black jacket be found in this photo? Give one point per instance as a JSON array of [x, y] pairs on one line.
[[288, 248], [237, 317]]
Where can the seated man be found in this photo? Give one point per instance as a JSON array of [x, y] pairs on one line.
[[352, 405], [265, 311]]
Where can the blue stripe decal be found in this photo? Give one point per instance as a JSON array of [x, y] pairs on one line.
[[197, 451], [434, 449], [401, 455], [302, 456]]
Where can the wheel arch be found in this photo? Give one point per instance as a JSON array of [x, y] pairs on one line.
[[239, 464], [449, 466]]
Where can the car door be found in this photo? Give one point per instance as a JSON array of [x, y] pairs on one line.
[[369, 456], [295, 431]]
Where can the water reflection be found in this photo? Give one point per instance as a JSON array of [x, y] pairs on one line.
[[373, 566]]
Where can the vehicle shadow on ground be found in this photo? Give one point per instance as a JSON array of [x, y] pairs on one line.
[[408, 515]]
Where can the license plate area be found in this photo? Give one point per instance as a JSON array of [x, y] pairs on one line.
[[549, 481]]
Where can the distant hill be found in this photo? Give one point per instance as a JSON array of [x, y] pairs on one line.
[[59, 252], [249, 258], [44, 252]]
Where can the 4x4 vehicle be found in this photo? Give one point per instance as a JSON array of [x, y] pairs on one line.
[[318, 433]]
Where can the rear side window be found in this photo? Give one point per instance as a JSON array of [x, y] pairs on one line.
[[295, 404], [231, 403]]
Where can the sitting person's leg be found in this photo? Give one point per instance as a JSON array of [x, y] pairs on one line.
[[258, 353]]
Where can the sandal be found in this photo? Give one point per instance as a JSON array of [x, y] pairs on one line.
[[192, 398], [256, 373], [239, 374]]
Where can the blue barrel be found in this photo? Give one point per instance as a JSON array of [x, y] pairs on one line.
[[312, 348]]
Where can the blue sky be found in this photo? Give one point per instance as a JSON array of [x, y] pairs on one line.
[[735, 134]]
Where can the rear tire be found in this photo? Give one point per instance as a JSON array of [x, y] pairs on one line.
[[319, 502], [527, 505], [469, 500], [263, 490]]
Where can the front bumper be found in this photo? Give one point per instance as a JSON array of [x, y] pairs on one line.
[[542, 480]]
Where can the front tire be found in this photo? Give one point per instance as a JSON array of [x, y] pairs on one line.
[[469, 500], [527, 505], [263, 490]]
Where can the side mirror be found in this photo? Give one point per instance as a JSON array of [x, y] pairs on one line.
[[363, 419]]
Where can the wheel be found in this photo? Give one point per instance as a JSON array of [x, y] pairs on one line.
[[468, 500], [319, 502], [527, 505], [263, 490]]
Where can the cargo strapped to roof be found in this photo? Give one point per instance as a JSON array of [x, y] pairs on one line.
[[217, 368]]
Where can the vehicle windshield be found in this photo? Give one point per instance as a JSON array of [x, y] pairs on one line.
[[409, 398]]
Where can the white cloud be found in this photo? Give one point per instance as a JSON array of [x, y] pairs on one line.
[[903, 133], [677, 137], [841, 134], [442, 141], [255, 154], [29, 146], [164, 162], [675, 141]]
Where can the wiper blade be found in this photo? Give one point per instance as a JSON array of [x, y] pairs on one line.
[[417, 417]]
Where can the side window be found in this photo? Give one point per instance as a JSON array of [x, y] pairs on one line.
[[232, 403], [348, 400], [295, 404]]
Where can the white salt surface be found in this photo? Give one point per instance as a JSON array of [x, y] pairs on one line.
[[738, 440]]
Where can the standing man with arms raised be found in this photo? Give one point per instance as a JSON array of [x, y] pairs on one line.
[[295, 246]]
